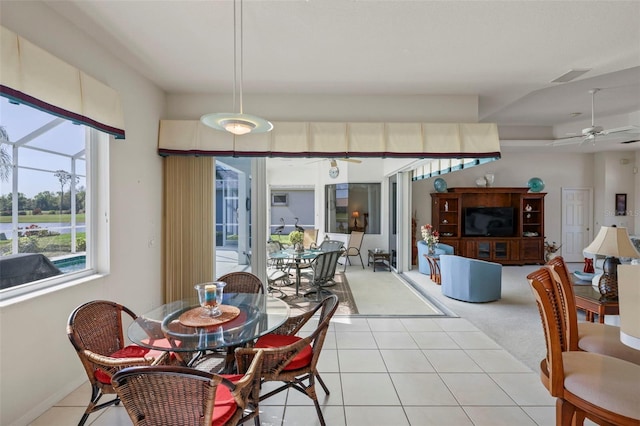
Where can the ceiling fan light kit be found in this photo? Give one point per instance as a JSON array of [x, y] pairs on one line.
[[237, 123]]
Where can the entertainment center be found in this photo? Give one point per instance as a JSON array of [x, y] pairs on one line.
[[503, 225]]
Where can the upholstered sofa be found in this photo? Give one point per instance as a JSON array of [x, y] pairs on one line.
[[423, 265], [470, 280]]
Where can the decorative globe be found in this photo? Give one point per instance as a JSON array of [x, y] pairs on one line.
[[440, 185], [535, 184]]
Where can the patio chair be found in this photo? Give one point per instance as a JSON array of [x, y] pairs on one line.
[[310, 238], [586, 336], [293, 359], [587, 385], [171, 395], [323, 271], [353, 248], [95, 331], [332, 245]]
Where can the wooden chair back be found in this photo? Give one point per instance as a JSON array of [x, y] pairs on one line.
[[544, 290], [567, 300]]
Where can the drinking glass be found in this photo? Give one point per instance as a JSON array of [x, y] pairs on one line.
[[210, 297]]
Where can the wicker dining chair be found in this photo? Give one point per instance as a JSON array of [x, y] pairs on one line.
[[237, 282], [586, 336], [173, 395], [95, 331], [586, 384], [293, 359], [242, 282]]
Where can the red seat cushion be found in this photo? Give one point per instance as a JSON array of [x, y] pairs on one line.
[[302, 359], [225, 405], [131, 351]]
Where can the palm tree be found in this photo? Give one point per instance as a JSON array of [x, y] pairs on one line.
[[5, 158]]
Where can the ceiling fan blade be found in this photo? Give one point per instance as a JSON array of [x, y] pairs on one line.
[[625, 129], [567, 141], [351, 160]]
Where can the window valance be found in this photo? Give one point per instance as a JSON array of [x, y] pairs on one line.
[[321, 139], [33, 76]]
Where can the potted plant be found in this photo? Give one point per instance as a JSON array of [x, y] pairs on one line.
[[296, 238]]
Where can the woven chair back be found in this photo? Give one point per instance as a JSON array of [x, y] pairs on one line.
[[242, 282]]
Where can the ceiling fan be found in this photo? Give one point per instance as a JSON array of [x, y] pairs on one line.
[[590, 134]]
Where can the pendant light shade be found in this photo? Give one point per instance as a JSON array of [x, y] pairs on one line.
[[237, 123]]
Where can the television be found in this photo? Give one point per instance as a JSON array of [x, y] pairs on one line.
[[489, 221]]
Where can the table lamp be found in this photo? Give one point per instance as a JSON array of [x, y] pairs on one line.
[[613, 243], [355, 215], [629, 290]]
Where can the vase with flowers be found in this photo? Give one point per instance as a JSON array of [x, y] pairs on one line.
[[296, 238], [430, 236], [550, 250]]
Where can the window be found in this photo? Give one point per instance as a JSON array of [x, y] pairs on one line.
[[279, 199], [353, 207], [48, 198]]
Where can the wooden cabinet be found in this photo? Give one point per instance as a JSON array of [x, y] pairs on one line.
[[492, 250], [525, 245]]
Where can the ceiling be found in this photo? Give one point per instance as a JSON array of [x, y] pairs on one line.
[[505, 52]]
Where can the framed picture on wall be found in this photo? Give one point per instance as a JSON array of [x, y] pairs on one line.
[[621, 204]]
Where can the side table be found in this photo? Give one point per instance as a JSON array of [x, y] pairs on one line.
[[589, 300], [380, 258], [434, 267]]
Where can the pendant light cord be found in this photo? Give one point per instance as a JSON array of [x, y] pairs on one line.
[[237, 85]]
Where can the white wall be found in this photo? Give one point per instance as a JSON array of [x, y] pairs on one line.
[[602, 171], [514, 170], [38, 365]]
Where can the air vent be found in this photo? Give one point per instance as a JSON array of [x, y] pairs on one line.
[[571, 75]]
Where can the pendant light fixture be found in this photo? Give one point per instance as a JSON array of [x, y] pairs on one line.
[[237, 123]]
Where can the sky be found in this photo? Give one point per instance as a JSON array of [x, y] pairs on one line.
[[36, 167]]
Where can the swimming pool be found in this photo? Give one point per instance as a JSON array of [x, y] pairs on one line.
[[71, 263]]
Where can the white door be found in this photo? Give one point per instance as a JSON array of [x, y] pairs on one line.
[[576, 222]]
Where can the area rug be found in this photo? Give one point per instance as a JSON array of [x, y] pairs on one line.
[[299, 303]]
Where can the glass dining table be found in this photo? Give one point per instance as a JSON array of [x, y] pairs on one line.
[[163, 328], [299, 260]]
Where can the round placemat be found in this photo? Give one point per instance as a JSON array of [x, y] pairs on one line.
[[194, 318]]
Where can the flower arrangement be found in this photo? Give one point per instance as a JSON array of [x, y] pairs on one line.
[[296, 237], [429, 235], [550, 248]]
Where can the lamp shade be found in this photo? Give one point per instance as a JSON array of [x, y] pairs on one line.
[[355, 214], [612, 241]]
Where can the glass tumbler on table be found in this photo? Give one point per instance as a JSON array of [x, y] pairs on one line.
[[210, 297]]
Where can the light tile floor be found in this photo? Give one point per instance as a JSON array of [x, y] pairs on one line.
[[387, 370], [392, 371]]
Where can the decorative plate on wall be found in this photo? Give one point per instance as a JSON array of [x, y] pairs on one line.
[[440, 185], [535, 184]]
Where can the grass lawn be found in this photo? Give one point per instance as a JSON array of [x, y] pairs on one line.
[[44, 218]]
